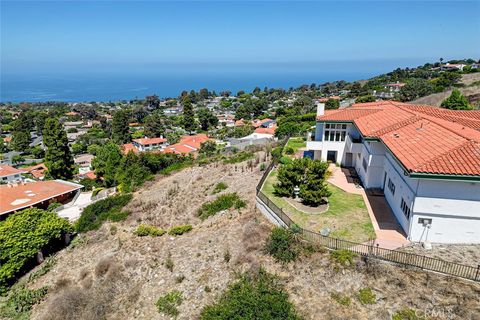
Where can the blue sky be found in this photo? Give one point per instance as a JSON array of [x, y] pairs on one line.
[[87, 36]]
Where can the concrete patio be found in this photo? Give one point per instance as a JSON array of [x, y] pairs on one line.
[[389, 233]]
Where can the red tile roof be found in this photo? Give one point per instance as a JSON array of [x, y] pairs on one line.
[[24, 195], [187, 144], [6, 170], [37, 171], [127, 147], [146, 141], [424, 139], [270, 130]]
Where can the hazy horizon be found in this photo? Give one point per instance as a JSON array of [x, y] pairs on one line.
[[62, 49]]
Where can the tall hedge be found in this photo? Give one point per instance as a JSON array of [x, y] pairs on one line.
[[22, 235]]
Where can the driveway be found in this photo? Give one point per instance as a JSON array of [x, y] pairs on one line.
[[72, 211]]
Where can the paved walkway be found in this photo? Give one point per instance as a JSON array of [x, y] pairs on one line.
[[72, 211], [389, 233]]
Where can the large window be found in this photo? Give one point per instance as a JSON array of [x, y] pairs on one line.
[[391, 186], [405, 208], [335, 132]]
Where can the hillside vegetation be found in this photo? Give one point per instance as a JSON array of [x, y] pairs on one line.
[[471, 90], [113, 273]]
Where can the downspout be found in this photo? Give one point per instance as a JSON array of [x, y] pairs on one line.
[[412, 212]]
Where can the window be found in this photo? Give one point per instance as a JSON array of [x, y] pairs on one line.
[[364, 164], [335, 132], [391, 186], [405, 209]]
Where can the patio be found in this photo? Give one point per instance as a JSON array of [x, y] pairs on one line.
[[390, 234]]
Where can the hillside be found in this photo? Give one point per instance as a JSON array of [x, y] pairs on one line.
[[113, 274], [471, 92]]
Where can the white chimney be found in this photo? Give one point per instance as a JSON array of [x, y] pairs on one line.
[[320, 109]]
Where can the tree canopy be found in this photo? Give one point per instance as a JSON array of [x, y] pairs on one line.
[[120, 130], [456, 101], [58, 157]]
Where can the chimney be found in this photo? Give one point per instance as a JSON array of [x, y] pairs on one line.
[[320, 109]]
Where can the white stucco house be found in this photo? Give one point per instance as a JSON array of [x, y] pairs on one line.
[[425, 159], [147, 144], [10, 174]]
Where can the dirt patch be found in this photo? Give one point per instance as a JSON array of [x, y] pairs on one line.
[[121, 276], [464, 254], [307, 209]]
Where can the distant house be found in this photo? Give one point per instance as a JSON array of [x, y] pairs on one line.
[[261, 133], [187, 144], [10, 174], [394, 87], [453, 66], [72, 114], [147, 144], [84, 162], [37, 171], [323, 100], [264, 123], [39, 194]]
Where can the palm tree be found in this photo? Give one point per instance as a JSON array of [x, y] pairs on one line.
[[441, 60]]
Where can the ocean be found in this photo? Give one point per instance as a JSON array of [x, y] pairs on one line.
[[120, 84]]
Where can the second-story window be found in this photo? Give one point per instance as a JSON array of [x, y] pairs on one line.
[[391, 186], [335, 132]]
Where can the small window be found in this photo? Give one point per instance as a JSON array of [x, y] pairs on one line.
[[337, 136], [391, 186], [327, 134], [405, 208], [365, 164], [327, 125], [343, 135], [344, 126]]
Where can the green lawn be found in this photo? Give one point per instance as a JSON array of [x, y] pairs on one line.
[[295, 144], [347, 216]]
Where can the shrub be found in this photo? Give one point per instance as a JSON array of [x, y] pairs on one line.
[[239, 157], [168, 303], [366, 296], [289, 150], [219, 187], [227, 256], [22, 235], [407, 314], [20, 302], [280, 245], [169, 262], [285, 160], [262, 167], [179, 230], [147, 230], [95, 214], [343, 257], [54, 205], [223, 202], [277, 153], [258, 296], [341, 299]]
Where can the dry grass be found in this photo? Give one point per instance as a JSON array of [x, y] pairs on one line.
[[121, 276]]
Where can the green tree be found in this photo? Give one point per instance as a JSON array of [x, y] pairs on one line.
[[308, 175], [208, 147], [332, 104], [152, 102], [188, 116], [120, 130], [20, 140], [367, 98], [415, 88], [58, 158], [40, 119], [22, 235], [131, 173], [154, 126], [206, 118], [456, 101], [106, 163]]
